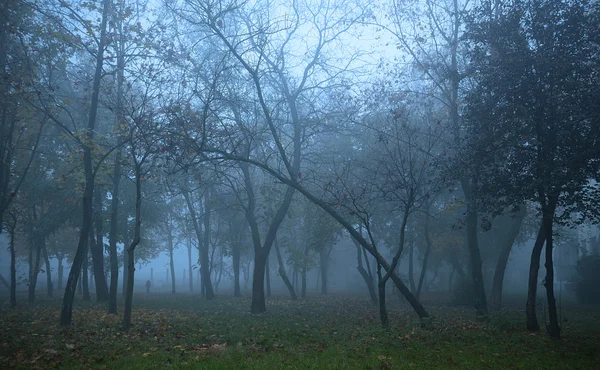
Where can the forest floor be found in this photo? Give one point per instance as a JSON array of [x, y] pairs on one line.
[[333, 332]]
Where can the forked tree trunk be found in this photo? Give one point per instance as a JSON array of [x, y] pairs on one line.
[[283, 273], [507, 243], [365, 274], [383, 316]]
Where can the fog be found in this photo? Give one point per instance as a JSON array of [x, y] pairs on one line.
[[295, 169]]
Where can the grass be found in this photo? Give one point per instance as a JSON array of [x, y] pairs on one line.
[[184, 331]]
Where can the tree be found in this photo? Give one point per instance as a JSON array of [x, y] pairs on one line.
[[534, 116], [67, 308], [431, 35]]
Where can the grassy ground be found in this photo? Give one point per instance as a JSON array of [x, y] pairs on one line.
[[184, 331]]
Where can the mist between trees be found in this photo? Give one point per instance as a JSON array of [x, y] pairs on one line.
[[304, 147]]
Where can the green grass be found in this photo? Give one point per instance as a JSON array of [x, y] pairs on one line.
[[184, 331]]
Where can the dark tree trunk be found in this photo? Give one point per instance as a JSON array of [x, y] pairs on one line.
[[425, 256], [86, 224], [283, 273], [268, 276], [130, 251], [324, 264], [365, 274], [383, 316], [190, 272], [304, 271], [507, 243], [85, 278], [49, 285], [171, 248], [61, 270], [13, 266], [112, 236], [479, 297], [258, 284], [203, 247], [34, 268], [97, 249], [553, 326], [534, 267], [114, 203], [210, 294], [236, 269], [125, 270], [411, 267]]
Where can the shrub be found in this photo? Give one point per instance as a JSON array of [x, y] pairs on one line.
[[588, 286]]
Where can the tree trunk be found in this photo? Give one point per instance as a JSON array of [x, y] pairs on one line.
[[49, 285], [210, 294], [235, 254], [553, 327], [507, 244], [283, 273], [171, 247], [383, 316], [324, 264], [258, 284], [190, 272], [13, 266], [86, 224], [411, 267], [425, 256], [304, 271], [116, 177], [112, 236], [85, 278], [34, 268], [61, 269], [365, 274], [97, 249], [203, 246], [479, 297], [268, 276], [130, 251], [125, 270], [534, 267]]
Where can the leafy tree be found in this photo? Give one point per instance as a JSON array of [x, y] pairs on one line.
[[534, 116]]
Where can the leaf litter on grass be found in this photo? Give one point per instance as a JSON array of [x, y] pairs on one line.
[[314, 332]]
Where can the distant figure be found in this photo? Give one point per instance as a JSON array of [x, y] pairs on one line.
[[148, 284]]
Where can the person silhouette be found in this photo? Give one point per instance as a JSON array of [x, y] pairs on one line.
[[148, 284]]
